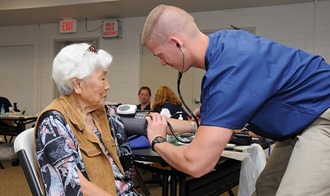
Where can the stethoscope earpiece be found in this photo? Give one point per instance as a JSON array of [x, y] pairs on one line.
[[178, 45]]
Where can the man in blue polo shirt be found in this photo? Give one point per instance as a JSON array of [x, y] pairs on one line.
[[281, 92]]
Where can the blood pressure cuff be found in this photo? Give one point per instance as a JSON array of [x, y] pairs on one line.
[[138, 141]]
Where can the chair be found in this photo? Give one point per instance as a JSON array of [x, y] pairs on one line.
[[6, 128], [4, 100], [24, 148]]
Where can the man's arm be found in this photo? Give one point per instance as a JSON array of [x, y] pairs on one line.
[[200, 156]]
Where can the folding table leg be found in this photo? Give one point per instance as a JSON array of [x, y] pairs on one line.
[[230, 192], [141, 183]]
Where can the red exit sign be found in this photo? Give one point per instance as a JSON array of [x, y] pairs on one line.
[[68, 26]]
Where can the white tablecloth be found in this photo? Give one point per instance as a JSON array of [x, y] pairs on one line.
[[251, 167]]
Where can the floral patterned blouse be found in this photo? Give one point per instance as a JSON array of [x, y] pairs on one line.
[[59, 157]]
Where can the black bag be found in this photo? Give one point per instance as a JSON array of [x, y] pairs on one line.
[[241, 139]]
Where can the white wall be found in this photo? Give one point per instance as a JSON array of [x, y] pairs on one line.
[[15, 72], [305, 26]]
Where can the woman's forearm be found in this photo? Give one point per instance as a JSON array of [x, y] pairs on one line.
[[89, 188], [179, 126]]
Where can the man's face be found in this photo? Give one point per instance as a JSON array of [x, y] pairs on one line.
[[144, 96], [168, 54]]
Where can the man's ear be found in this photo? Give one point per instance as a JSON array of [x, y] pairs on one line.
[[177, 42]]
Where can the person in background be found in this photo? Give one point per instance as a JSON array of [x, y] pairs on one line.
[[81, 145], [141, 141], [282, 93], [165, 98], [144, 96]]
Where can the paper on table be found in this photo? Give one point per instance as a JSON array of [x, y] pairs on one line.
[[234, 155], [28, 116]]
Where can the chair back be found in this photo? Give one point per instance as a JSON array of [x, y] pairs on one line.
[[24, 148], [4, 100]]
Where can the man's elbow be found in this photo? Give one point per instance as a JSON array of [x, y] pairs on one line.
[[199, 171]]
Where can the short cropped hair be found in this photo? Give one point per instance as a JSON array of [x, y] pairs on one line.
[[77, 61], [151, 23]]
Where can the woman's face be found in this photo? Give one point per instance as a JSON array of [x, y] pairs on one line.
[[94, 88]]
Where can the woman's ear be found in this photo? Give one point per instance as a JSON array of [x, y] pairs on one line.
[[76, 83]]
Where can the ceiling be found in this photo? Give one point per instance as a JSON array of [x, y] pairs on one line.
[[23, 12]]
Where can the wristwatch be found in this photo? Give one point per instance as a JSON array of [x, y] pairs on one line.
[[158, 139]]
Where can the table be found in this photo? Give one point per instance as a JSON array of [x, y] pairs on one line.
[[226, 174], [223, 178], [20, 121]]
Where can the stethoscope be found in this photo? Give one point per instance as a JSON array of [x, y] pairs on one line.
[[182, 100], [178, 87]]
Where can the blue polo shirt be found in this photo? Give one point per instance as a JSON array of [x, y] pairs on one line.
[[278, 90]]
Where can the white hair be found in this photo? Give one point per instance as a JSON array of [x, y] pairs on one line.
[[77, 61]]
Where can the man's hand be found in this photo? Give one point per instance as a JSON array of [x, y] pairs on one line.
[[157, 124]]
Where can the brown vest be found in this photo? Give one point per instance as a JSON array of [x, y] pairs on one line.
[[97, 164]]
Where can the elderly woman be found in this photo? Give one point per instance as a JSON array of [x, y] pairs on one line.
[[81, 146]]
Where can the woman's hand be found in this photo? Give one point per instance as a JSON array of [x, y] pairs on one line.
[[88, 188], [196, 114]]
